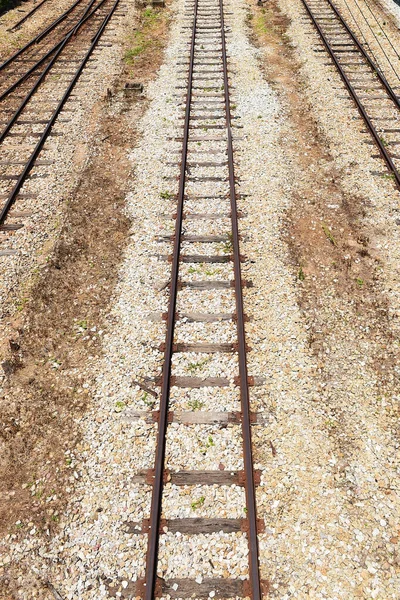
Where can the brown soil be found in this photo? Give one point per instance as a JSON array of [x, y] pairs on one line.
[[336, 267], [56, 336]]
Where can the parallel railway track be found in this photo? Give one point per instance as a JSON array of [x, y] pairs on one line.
[[28, 15], [31, 105], [375, 99], [41, 43]]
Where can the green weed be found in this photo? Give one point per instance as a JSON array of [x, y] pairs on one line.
[[210, 442], [197, 366], [195, 404], [329, 234], [198, 503], [227, 247]]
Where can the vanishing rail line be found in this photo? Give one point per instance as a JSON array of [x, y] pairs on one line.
[[27, 15], [41, 67], [206, 201], [375, 99], [32, 106], [39, 43]]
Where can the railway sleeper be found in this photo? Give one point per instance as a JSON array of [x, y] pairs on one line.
[[186, 588]]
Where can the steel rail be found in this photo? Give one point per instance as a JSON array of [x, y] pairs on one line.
[[377, 38], [11, 122], [254, 563], [29, 14], [30, 163], [39, 37], [156, 500], [29, 72], [73, 30], [381, 28], [85, 12], [369, 60], [384, 153], [54, 24]]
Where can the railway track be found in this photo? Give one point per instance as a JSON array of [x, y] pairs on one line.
[[31, 105], [38, 46], [28, 15], [205, 245], [375, 99]]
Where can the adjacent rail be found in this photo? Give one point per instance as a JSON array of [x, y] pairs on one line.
[[27, 16], [15, 120], [352, 61]]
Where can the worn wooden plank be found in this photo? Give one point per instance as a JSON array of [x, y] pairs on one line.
[[146, 476], [192, 216], [180, 588], [206, 478], [132, 527], [212, 101], [219, 151], [188, 588], [206, 238], [22, 162], [130, 415], [253, 380], [202, 525], [206, 118], [143, 386], [142, 476], [11, 227], [205, 417], [203, 347], [200, 216], [19, 213], [206, 258], [207, 285], [209, 163], [193, 197], [22, 195], [156, 317], [8, 252], [205, 317], [199, 382]]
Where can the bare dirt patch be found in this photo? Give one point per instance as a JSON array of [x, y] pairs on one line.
[[57, 331]]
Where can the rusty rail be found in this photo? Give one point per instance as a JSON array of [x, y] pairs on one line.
[[385, 154], [151, 590], [31, 161]]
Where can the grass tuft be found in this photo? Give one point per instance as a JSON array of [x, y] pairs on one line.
[[329, 234]]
